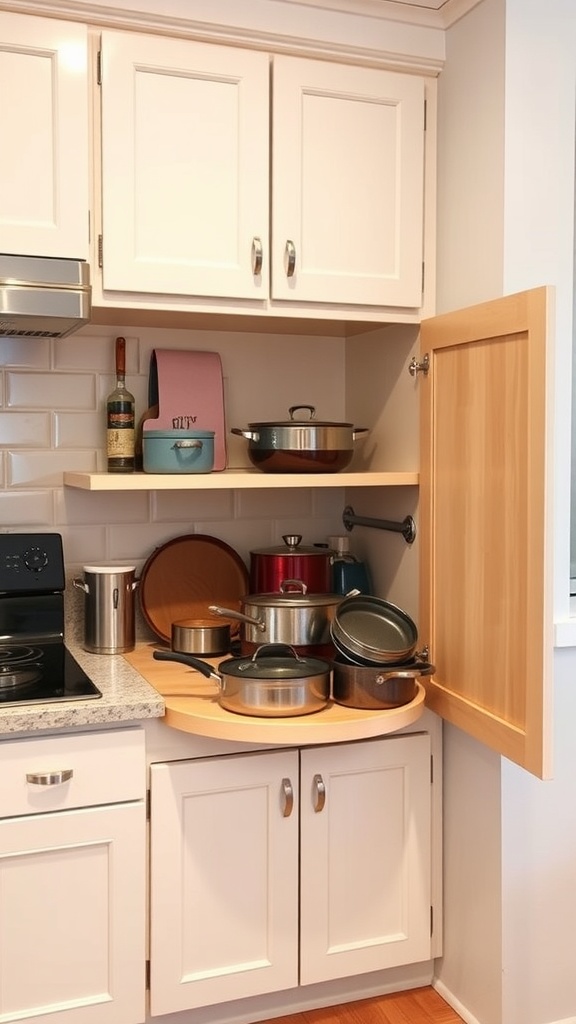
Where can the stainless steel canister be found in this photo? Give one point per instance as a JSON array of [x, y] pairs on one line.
[[109, 612]]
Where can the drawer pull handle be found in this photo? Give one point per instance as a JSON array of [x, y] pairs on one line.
[[49, 778]]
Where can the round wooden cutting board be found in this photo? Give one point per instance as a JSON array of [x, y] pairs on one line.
[[184, 576]]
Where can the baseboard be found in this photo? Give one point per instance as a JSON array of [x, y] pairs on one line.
[[468, 1017], [456, 1005]]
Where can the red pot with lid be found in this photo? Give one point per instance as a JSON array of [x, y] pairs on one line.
[[292, 560]]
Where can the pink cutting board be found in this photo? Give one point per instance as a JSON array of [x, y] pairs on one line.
[[189, 390]]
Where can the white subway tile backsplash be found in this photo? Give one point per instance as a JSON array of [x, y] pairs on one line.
[[85, 545], [273, 503], [25, 428], [79, 430], [22, 510], [86, 507], [45, 469], [94, 352], [30, 352], [137, 542], [52, 396], [190, 506], [50, 391]]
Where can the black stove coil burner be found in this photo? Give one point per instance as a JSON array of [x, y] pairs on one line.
[[20, 666]]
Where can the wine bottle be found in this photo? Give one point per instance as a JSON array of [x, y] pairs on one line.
[[120, 415]]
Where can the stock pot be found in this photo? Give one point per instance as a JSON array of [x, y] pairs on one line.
[[275, 682], [292, 616], [291, 560]]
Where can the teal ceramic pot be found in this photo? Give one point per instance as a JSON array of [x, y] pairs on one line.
[[178, 451]]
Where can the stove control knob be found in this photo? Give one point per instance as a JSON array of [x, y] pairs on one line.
[[35, 559]]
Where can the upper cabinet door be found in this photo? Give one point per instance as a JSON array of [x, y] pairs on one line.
[[347, 184], [44, 184], [184, 166], [486, 608]]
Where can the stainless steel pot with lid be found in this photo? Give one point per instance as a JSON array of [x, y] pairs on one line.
[[275, 682], [300, 445], [292, 616]]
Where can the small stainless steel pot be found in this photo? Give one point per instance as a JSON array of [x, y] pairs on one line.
[[267, 685], [300, 446], [200, 636], [377, 688]]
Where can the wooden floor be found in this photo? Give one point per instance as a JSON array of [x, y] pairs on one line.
[[418, 1006]]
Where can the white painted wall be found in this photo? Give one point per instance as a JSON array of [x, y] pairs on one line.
[[517, 853]]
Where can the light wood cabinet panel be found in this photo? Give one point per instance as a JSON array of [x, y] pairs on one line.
[[485, 473], [184, 166], [347, 184], [44, 184]]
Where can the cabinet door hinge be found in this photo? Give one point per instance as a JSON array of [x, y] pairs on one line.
[[425, 114], [431, 769], [100, 251], [431, 921], [147, 805], [99, 67], [148, 975]]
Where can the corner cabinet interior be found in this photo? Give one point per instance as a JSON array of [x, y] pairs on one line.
[[255, 176], [289, 843], [44, 179]]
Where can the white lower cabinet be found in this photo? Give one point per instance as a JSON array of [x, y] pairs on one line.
[[72, 879], [287, 867]]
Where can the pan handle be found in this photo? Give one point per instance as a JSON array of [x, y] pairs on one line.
[[191, 662], [409, 674], [229, 613]]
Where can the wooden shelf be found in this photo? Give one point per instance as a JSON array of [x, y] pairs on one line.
[[231, 479]]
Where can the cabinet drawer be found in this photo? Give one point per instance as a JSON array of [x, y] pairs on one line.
[[77, 770]]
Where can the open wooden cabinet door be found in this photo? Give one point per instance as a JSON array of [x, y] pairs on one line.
[[484, 488]]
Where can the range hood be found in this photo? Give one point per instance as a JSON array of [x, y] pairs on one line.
[[42, 297]]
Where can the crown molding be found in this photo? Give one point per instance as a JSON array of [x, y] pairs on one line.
[[162, 18]]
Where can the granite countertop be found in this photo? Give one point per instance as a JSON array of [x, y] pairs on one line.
[[126, 696]]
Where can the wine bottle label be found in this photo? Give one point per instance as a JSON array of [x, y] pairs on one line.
[[120, 443], [120, 435]]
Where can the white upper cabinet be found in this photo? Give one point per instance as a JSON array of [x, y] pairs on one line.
[[184, 165], [44, 181], [187, 166], [347, 184]]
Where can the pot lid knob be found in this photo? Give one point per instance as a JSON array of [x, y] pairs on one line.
[[292, 540]]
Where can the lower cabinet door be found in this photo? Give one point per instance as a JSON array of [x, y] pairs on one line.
[[365, 857], [224, 879], [72, 905]]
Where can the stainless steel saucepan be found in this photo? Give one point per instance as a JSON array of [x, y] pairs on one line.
[[275, 682]]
